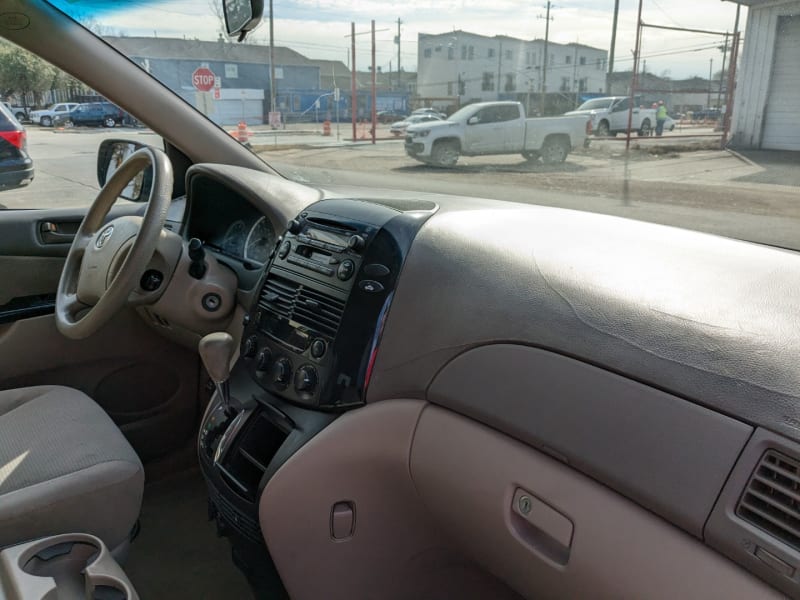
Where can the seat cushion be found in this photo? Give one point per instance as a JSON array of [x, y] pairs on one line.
[[64, 467]]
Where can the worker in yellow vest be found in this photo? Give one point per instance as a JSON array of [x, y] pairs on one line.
[[661, 116]]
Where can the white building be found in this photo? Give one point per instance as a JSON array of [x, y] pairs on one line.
[[502, 67], [766, 106]]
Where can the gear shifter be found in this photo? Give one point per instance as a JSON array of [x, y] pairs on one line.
[[216, 349]]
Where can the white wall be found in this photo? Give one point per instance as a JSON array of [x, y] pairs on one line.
[[753, 78], [500, 58]]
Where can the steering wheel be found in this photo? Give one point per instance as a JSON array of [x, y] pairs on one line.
[[106, 261]]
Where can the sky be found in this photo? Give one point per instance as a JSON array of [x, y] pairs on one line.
[[319, 28]]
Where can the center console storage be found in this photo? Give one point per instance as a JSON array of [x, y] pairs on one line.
[[73, 566], [310, 338]]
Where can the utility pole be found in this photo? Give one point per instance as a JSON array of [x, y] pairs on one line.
[[272, 106], [353, 91], [373, 112], [710, 69], [544, 66], [722, 72], [575, 75], [399, 72], [499, 67], [611, 51]]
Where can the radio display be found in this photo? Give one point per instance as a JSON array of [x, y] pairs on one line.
[[327, 237]]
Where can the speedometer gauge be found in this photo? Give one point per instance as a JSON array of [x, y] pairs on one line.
[[234, 240], [259, 241]]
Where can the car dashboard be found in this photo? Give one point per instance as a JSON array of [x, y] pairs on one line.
[[510, 317]]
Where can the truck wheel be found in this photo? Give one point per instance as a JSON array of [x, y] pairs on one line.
[[645, 130], [531, 155], [109, 122], [554, 151], [445, 154], [602, 129], [46, 121], [20, 116]]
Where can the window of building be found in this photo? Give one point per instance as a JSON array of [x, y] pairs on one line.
[[462, 87], [491, 53], [527, 58], [568, 59], [451, 53], [564, 84], [552, 59], [463, 53], [598, 64], [583, 84], [487, 83], [582, 60], [231, 71], [427, 53], [511, 83], [438, 48], [471, 53], [509, 54], [449, 88]]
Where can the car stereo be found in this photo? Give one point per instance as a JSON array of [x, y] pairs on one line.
[[313, 330]]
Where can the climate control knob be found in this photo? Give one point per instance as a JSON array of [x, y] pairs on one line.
[[356, 242], [250, 347], [262, 363], [282, 371], [305, 380]]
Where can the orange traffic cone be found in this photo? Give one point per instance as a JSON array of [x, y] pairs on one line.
[[326, 127], [241, 132]]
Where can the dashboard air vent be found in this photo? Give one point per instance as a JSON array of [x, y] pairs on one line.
[[308, 307], [771, 500]]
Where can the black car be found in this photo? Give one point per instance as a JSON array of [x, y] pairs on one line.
[[103, 114], [16, 166], [390, 116]]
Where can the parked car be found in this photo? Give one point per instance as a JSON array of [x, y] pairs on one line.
[[103, 114], [429, 111], [609, 115], [669, 124], [487, 128], [706, 114], [20, 112], [45, 116], [16, 166], [399, 127], [390, 116]]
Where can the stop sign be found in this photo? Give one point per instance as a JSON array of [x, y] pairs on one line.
[[203, 79]]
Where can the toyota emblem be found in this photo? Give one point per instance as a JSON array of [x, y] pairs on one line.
[[104, 236]]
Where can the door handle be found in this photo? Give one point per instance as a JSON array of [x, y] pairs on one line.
[[58, 233]]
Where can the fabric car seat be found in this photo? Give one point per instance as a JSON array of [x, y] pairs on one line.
[[65, 467]]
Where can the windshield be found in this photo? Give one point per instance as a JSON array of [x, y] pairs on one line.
[[595, 104], [317, 103]]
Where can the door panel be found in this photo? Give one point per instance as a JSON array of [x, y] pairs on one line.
[[148, 385]]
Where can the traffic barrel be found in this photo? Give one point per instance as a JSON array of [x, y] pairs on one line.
[[326, 127], [241, 132]]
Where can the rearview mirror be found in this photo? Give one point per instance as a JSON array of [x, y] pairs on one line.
[[111, 154], [473, 120], [242, 16]]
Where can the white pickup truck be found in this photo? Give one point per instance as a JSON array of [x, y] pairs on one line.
[[46, 116], [495, 128], [609, 115]]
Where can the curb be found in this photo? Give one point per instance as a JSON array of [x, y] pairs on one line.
[[744, 159]]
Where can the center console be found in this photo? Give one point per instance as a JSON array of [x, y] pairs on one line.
[[310, 338]]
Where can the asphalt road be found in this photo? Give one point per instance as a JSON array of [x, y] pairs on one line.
[[694, 189], [65, 166]]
